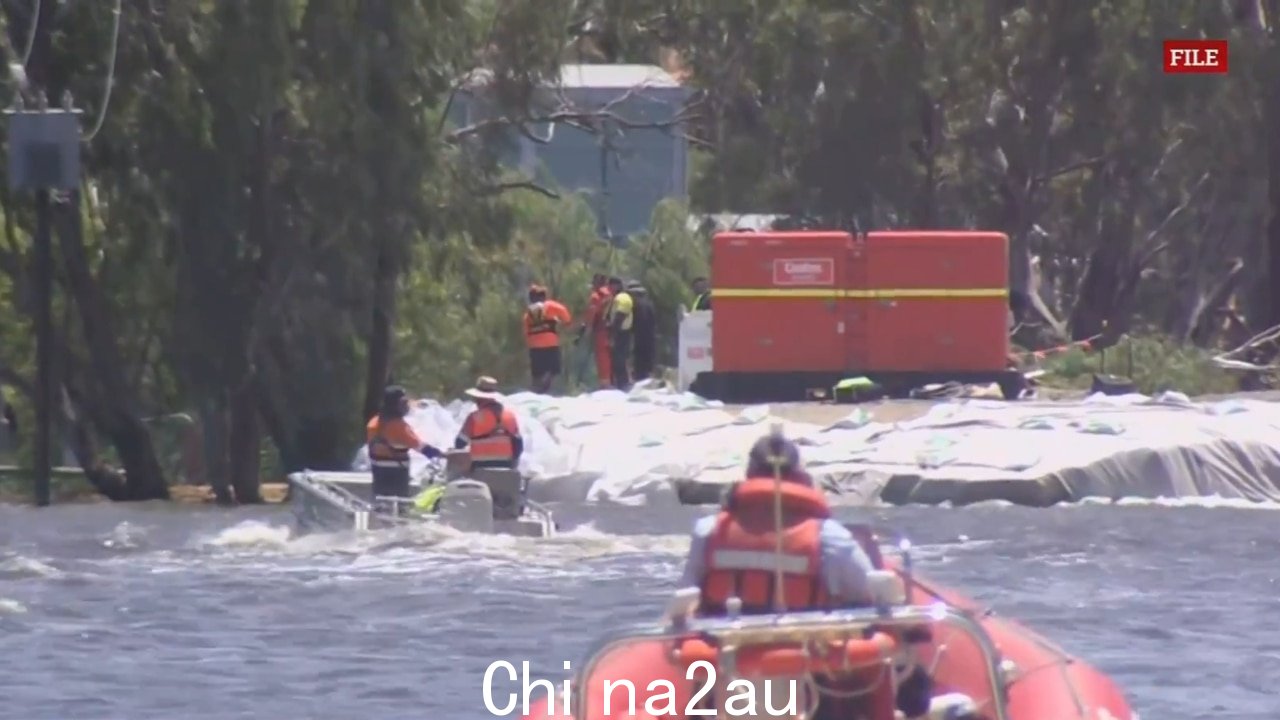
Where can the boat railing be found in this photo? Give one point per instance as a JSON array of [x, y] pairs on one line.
[[394, 508], [542, 514], [804, 630], [335, 493]]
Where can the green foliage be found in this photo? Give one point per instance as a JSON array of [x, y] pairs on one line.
[[274, 184], [64, 485], [1153, 362], [461, 314]]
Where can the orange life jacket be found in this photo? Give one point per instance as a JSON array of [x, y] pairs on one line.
[[742, 560], [389, 441], [543, 330], [492, 432]]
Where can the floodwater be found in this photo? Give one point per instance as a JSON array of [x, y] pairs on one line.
[[160, 612]]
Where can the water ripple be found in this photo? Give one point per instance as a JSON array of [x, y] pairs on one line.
[[148, 613]]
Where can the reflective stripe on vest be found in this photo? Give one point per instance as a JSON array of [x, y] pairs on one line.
[[760, 560], [539, 327], [399, 456], [496, 443], [741, 553]]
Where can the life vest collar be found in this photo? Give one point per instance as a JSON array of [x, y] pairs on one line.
[[759, 494]]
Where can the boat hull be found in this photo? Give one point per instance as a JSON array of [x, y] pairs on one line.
[[341, 502], [1003, 668]]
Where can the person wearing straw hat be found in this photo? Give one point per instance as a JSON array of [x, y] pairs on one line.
[[491, 430]]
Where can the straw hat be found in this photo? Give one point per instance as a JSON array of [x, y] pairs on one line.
[[486, 389]]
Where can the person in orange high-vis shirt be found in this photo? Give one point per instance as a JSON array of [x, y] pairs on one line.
[[597, 306], [390, 438], [542, 322], [491, 430]]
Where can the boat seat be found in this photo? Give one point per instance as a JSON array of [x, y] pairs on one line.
[[457, 464], [506, 487]]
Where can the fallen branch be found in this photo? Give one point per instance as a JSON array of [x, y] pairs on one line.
[[1267, 340]]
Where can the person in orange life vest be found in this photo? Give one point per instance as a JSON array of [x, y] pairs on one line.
[[733, 553], [389, 438], [597, 308], [491, 429], [542, 322]]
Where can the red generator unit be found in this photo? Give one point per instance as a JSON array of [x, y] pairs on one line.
[[796, 312]]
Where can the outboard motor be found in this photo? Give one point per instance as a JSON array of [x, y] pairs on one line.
[[467, 505]]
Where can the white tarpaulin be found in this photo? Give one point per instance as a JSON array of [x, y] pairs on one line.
[[639, 446]]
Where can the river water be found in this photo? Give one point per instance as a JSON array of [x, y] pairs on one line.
[[165, 612]]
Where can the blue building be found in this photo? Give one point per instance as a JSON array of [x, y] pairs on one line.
[[625, 171]]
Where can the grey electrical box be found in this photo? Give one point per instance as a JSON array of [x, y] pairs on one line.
[[44, 149]]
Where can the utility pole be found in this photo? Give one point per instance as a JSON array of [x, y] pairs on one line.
[[44, 157]]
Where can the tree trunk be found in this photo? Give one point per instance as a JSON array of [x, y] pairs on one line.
[[1271, 120], [144, 477], [214, 422], [380, 332], [244, 446], [109, 483], [1098, 290]]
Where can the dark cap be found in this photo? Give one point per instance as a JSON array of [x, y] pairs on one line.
[[394, 399], [774, 453]]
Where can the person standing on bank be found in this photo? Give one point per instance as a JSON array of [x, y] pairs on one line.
[[620, 320], [390, 438], [701, 295], [644, 331], [542, 322], [594, 323]]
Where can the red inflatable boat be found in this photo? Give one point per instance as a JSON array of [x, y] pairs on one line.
[[778, 666]]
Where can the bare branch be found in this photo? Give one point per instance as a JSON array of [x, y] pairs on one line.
[[499, 188], [1069, 168], [587, 120], [1199, 327], [1173, 215]]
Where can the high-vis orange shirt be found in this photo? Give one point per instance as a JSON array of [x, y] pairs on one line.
[[543, 331], [390, 441], [596, 307], [491, 432]]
